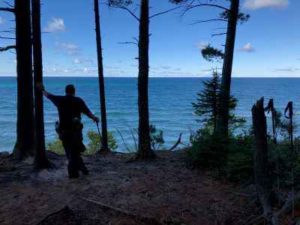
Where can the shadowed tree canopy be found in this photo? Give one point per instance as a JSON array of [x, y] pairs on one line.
[[210, 53]]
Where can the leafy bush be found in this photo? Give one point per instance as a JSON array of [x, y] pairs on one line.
[[93, 146], [239, 166], [56, 146], [236, 163], [95, 140], [231, 158], [156, 138], [208, 150]]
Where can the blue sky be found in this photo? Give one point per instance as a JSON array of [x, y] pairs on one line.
[[267, 45]]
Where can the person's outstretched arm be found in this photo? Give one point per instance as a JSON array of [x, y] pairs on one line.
[[41, 87], [85, 110], [53, 98]]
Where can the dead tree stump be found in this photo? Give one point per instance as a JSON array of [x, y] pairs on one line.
[[261, 171]]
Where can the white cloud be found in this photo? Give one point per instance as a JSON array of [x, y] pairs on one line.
[[69, 48], [258, 4], [55, 25], [77, 61], [84, 61], [247, 48], [2, 21], [288, 69]]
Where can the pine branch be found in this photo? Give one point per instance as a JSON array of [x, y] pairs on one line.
[[164, 12], [7, 9]]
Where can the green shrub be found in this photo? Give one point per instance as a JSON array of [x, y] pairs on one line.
[[231, 158], [95, 140], [56, 146], [93, 146], [208, 151], [239, 166], [156, 138]]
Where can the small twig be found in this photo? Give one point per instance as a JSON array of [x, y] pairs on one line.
[[7, 38], [288, 205], [127, 10], [134, 139], [218, 34], [177, 143], [119, 132], [7, 31], [141, 219], [128, 43], [8, 4], [66, 208]]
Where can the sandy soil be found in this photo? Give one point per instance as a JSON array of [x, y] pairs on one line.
[[118, 192]]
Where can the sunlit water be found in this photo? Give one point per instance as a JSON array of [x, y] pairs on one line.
[[170, 104]]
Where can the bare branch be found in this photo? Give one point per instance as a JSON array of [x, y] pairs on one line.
[[8, 4], [164, 12], [4, 49], [7, 38], [210, 20], [6, 9], [7, 31], [218, 34], [190, 7], [127, 10], [287, 207], [128, 43]]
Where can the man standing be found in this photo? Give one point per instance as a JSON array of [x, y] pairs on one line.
[[69, 127]]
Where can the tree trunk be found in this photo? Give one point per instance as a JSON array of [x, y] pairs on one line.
[[41, 160], [261, 172], [25, 116], [144, 146], [223, 120], [104, 138]]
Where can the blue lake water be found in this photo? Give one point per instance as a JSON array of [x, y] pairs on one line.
[[170, 103]]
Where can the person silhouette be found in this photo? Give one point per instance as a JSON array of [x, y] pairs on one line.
[[69, 127]]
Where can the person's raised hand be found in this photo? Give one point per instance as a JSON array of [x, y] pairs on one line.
[[96, 119], [40, 86]]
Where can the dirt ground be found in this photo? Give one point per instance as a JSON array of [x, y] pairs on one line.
[[118, 192]]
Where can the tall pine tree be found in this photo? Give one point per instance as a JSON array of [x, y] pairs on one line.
[[24, 146], [41, 160], [144, 141], [104, 139]]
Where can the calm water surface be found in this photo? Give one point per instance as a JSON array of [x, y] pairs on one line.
[[170, 103]]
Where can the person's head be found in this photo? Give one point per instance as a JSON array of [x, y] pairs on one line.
[[70, 90]]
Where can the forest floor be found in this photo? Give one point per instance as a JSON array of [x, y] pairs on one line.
[[120, 192]]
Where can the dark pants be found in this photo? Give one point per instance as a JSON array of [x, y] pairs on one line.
[[72, 142]]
